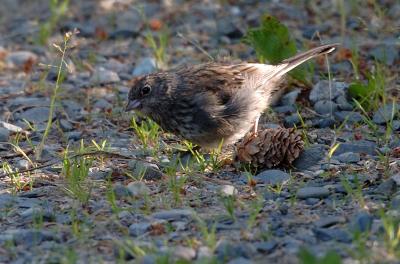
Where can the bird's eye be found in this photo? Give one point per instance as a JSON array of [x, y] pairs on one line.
[[146, 89]]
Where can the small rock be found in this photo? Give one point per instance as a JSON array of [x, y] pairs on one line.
[[138, 189], [20, 58], [28, 237], [343, 104], [73, 135], [104, 76], [386, 188], [35, 115], [121, 191], [265, 247], [329, 221], [312, 192], [23, 164], [360, 146], [290, 98], [65, 125], [310, 157], [97, 174], [351, 117], [227, 250], [10, 127], [385, 113], [325, 107], [326, 234], [145, 170], [139, 229], [284, 109], [272, 177], [349, 157], [386, 53], [292, 120], [324, 122], [362, 222], [4, 134], [204, 252], [396, 179], [321, 92], [240, 260], [173, 215], [145, 66], [312, 201], [184, 253], [226, 27], [228, 190], [102, 104]]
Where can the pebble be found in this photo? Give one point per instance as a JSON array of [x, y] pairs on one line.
[[384, 113], [4, 134], [312, 192], [144, 170], [272, 177], [343, 104], [310, 157], [385, 53], [204, 252], [145, 66], [227, 250], [349, 116], [265, 247], [349, 157], [121, 191], [326, 234], [292, 120], [290, 98], [361, 222], [321, 92], [139, 229], [184, 253], [240, 260], [138, 189], [104, 76], [23, 164], [228, 190], [35, 115], [360, 146], [284, 109], [396, 179], [325, 107], [10, 127], [173, 215], [65, 125], [74, 135], [328, 221], [20, 58], [28, 237]]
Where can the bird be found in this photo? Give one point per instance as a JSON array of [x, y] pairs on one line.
[[213, 103]]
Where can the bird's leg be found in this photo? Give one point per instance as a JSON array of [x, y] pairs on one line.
[[255, 127]]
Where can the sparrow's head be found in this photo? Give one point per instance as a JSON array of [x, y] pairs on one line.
[[145, 93]]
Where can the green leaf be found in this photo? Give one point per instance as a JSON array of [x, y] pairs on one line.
[[273, 43]]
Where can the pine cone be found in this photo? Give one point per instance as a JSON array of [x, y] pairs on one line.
[[270, 147]]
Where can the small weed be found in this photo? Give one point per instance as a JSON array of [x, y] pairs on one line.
[[76, 171], [159, 44], [60, 67], [356, 192], [148, 133], [331, 257], [17, 180], [209, 234], [391, 235], [229, 203], [58, 8], [176, 182], [211, 163], [255, 209]]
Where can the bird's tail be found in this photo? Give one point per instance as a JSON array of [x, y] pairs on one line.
[[293, 62]]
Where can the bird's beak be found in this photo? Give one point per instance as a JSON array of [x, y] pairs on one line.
[[132, 105]]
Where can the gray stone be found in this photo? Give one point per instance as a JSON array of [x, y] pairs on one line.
[[266, 247], [144, 170], [327, 234], [228, 190], [284, 109], [35, 115], [104, 76], [73, 135], [385, 113], [351, 117], [4, 134], [396, 125], [227, 250], [387, 187], [28, 237], [312, 192], [329, 221], [121, 191], [184, 253], [386, 53], [102, 104], [325, 107], [362, 222], [145, 66], [10, 127], [22, 164], [139, 229], [292, 120], [20, 58], [173, 215], [310, 157], [343, 104], [138, 189], [290, 98], [360, 146], [227, 27], [396, 179], [100, 174], [240, 260], [272, 177], [349, 157], [321, 92], [65, 125]]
